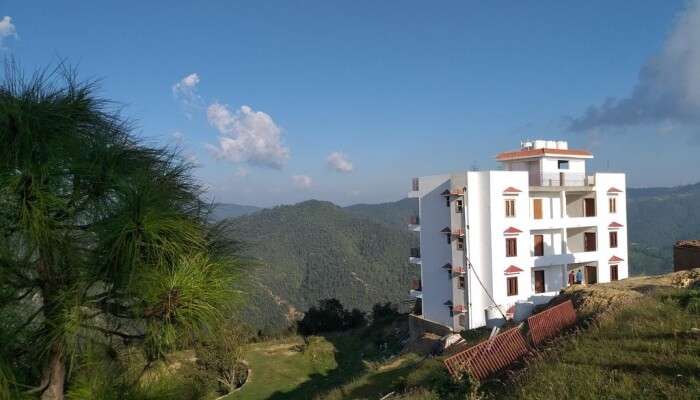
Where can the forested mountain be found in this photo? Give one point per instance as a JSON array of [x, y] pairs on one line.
[[229, 210], [657, 218], [394, 213], [358, 254], [316, 250]]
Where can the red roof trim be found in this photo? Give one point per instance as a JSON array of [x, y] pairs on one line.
[[511, 189], [614, 190], [513, 270], [517, 154], [512, 230], [615, 225], [615, 259]]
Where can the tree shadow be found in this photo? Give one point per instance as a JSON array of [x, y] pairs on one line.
[[350, 365], [353, 351]]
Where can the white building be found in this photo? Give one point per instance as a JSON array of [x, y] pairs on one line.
[[496, 243]]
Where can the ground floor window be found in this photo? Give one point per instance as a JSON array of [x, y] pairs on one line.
[[513, 286], [613, 272]]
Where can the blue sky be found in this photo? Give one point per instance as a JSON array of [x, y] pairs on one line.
[[346, 101]]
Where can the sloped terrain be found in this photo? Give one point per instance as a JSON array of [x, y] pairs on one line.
[[316, 250]]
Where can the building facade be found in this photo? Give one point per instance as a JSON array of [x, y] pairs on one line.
[[493, 244]]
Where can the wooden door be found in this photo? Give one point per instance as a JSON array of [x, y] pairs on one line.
[[613, 272], [539, 281], [591, 274], [589, 241], [539, 245], [537, 208], [589, 207]]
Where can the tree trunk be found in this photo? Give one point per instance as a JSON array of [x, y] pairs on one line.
[[54, 375]]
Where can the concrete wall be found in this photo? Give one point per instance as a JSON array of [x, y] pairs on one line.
[[603, 183], [435, 252]]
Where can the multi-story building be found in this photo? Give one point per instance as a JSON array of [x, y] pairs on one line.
[[493, 244]]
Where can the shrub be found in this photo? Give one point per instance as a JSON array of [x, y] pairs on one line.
[[330, 316]]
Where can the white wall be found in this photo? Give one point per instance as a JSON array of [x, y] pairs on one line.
[[603, 183], [551, 165], [499, 181], [434, 215]]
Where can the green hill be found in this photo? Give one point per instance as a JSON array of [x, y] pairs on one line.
[[316, 250], [394, 213], [229, 210], [657, 218]]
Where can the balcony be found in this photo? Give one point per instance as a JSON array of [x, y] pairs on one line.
[[415, 256], [415, 187], [561, 179], [414, 223]]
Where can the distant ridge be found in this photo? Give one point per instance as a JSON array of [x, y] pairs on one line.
[[222, 211]]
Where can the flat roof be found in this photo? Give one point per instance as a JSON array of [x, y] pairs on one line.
[[536, 153]]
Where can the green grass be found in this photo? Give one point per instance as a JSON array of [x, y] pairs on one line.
[[283, 365], [645, 350], [354, 365]]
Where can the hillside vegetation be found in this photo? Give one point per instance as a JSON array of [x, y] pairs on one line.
[[657, 218], [638, 338], [316, 250]]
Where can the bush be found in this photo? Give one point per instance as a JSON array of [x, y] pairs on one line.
[[386, 312], [330, 316], [433, 377]]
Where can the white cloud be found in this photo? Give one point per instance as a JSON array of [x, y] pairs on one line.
[[7, 29], [668, 87], [302, 181], [339, 162], [186, 91], [178, 137], [247, 136]]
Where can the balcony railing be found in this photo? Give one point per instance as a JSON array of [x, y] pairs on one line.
[[561, 179]]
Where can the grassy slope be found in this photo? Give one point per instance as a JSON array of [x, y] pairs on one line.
[[645, 348], [360, 364]]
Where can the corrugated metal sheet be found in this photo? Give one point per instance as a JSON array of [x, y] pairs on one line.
[[550, 322], [490, 356]]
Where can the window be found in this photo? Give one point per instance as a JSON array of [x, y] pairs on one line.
[[452, 314], [462, 320], [447, 200], [460, 282], [613, 240], [563, 164], [511, 247], [510, 208], [612, 205], [539, 245], [613, 272], [513, 286], [449, 238], [460, 205], [460, 243]]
